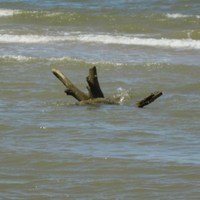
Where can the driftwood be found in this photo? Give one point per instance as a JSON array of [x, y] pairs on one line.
[[71, 88], [96, 95], [152, 97], [93, 84]]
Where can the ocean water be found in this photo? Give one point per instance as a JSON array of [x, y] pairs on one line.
[[53, 149]]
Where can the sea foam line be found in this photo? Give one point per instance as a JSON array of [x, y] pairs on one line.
[[16, 57], [21, 58], [7, 12], [163, 42], [5, 38], [28, 58], [105, 39], [179, 15]]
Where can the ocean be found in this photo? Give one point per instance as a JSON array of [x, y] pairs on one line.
[[53, 149]]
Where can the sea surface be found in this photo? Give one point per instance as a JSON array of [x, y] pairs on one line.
[[52, 149]]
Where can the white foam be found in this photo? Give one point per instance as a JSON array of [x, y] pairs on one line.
[[7, 12], [17, 57], [20, 58], [105, 39], [5, 38], [163, 42], [178, 15]]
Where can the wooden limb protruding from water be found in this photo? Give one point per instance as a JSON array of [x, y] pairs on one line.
[[146, 101], [93, 84], [71, 88], [95, 95]]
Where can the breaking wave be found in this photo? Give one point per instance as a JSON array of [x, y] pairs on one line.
[[105, 39], [178, 15], [64, 59], [8, 12]]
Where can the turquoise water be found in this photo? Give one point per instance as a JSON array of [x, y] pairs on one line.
[[52, 149]]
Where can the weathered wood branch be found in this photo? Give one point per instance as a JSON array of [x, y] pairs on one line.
[[146, 101], [71, 88], [95, 95], [94, 87]]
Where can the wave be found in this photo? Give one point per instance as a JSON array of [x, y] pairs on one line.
[[22, 13], [56, 16], [73, 15], [5, 38], [21, 58], [37, 14], [105, 22], [64, 59], [178, 15], [59, 17], [105, 39], [8, 12], [15, 58]]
